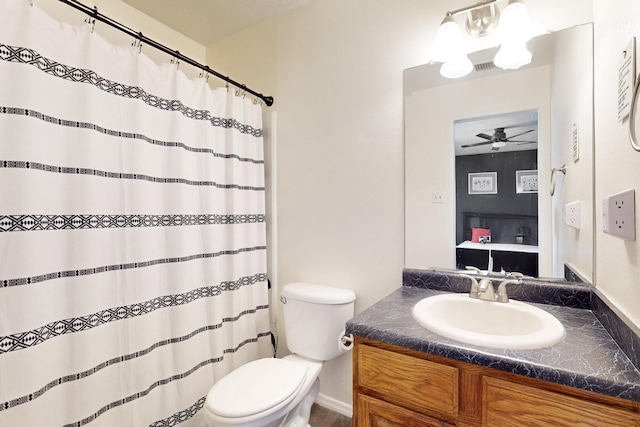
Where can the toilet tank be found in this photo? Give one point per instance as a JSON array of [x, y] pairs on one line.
[[314, 317]]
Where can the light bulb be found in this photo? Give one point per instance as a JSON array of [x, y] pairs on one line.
[[458, 66], [514, 24], [448, 40], [499, 144], [512, 55]]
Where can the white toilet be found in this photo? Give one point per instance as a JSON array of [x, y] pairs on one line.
[[279, 392]]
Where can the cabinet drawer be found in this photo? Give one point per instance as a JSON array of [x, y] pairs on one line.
[[408, 381], [516, 405], [377, 413]]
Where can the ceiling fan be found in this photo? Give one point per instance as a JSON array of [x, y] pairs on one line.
[[499, 139]]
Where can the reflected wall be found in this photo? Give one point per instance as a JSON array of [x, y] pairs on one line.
[[562, 92]]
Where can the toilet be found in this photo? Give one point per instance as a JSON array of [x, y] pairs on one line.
[[274, 392]]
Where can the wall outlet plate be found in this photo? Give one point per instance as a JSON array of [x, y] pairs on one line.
[[436, 197], [572, 214], [619, 215]]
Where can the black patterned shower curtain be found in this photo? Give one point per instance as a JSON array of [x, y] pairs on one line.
[[132, 231]]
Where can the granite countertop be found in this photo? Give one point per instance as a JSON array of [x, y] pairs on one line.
[[588, 358]]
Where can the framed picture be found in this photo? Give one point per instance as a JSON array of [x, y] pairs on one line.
[[483, 183], [527, 181]]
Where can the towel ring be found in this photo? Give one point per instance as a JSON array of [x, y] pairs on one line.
[[562, 169], [632, 116]]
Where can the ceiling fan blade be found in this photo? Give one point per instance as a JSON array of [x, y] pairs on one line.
[[525, 142], [485, 136], [516, 140], [476, 144], [521, 125], [513, 136]]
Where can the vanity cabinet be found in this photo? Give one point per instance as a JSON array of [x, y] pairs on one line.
[[394, 386], [507, 260]]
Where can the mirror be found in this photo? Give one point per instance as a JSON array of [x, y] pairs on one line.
[[558, 87], [496, 172]]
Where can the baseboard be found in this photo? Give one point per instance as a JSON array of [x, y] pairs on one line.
[[335, 405]]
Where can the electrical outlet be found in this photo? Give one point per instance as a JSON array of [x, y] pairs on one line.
[[436, 197], [572, 214], [618, 215], [622, 203]]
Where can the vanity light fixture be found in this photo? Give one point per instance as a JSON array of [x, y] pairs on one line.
[[514, 35], [449, 50], [511, 29]]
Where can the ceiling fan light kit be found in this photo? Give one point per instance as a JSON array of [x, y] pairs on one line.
[[511, 28], [499, 144], [499, 139]]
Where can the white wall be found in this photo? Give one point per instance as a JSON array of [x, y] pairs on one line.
[[572, 102], [335, 70], [338, 90], [617, 164], [137, 21], [430, 158]]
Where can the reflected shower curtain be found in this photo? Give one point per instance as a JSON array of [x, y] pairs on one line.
[[132, 231]]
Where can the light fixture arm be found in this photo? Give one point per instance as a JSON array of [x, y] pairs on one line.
[[483, 18], [470, 8]]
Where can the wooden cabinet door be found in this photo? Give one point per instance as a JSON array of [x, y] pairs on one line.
[[516, 405], [411, 382], [377, 413]]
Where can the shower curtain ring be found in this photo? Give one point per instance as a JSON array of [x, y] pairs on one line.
[[95, 15], [91, 22], [140, 42], [176, 59]]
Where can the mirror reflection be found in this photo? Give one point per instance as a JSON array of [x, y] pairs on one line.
[[496, 160], [552, 100]]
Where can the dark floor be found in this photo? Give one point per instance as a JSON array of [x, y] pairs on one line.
[[323, 417]]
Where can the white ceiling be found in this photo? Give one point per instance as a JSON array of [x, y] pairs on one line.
[[206, 21], [466, 131]]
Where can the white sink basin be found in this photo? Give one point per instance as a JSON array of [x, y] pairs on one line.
[[512, 325]]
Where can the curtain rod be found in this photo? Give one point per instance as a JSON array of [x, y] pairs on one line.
[[93, 13]]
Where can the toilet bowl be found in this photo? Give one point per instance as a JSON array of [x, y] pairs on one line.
[[274, 392], [263, 393]]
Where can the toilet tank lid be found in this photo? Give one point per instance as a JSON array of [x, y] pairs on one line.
[[319, 294]]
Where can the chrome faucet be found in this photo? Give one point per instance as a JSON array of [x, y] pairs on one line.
[[476, 270], [502, 289], [484, 290]]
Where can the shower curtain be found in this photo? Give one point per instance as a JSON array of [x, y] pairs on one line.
[[132, 231]]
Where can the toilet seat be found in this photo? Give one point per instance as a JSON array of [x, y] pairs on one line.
[[256, 387]]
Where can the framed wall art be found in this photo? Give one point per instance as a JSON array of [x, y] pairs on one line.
[[527, 181], [483, 183]]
